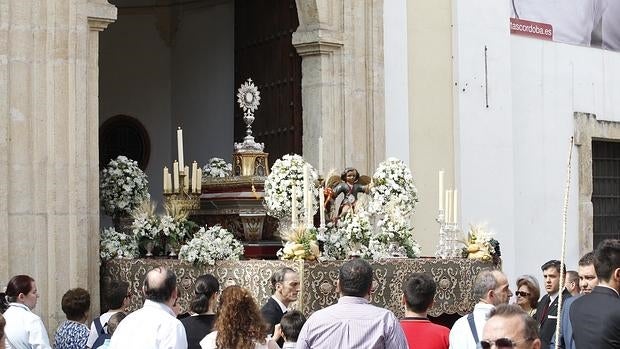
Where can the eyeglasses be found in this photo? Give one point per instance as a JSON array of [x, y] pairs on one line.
[[522, 294], [500, 343]]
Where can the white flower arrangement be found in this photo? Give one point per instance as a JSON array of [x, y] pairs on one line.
[[349, 236], [287, 175], [122, 187], [393, 182], [394, 237], [117, 245], [217, 167], [210, 245], [146, 224]]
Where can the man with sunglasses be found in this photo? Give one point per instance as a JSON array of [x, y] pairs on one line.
[[509, 326], [491, 289]]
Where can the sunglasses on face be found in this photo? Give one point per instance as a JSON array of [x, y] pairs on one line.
[[500, 343], [522, 294]]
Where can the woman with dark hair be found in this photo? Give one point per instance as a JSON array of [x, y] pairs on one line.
[[527, 294], [73, 332], [239, 324], [197, 326], [24, 329]]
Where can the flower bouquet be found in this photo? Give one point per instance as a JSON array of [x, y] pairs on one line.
[[348, 236], [392, 182], [122, 187], [301, 244], [481, 245], [210, 245], [217, 167], [394, 236], [117, 245]]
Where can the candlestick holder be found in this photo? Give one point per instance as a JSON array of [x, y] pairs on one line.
[[449, 245], [442, 248], [183, 199]]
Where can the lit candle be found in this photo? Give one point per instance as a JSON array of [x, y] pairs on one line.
[[175, 171], [320, 156], [186, 179], [441, 193], [455, 214], [194, 177], [322, 207], [199, 181], [165, 178], [180, 148], [294, 207]]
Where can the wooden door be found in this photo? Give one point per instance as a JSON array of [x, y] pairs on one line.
[[264, 52]]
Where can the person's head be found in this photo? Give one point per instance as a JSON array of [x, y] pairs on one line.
[[2, 324], [206, 290], [114, 320], [285, 285], [418, 292], [239, 322], [508, 326], [291, 324], [160, 285], [607, 262], [552, 275], [527, 292], [587, 274], [76, 304], [22, 289], [350, 175], [118, 294], [572, 282], [355, 278], [491, 286]]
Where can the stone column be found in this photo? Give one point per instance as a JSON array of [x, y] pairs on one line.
[[341, 45], [49, 210]]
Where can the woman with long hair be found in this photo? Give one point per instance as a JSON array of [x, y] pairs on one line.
[[200, 323], [24, 329], [239, 324]]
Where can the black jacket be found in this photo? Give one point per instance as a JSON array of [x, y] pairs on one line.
[[547, 325], [595, 318]]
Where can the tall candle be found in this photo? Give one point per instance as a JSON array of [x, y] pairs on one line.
[[306, 188], [175, 171], [180, 148], [199, 181], [322, 207], [456, 203], [309, 216], [194, 177], [448, 214], [165, 178], [441, 193], [186, 179], [294, 207], [169, 180], [320, 156]]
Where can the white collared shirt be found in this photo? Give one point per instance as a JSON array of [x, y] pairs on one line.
[[460, 334], [24, 329], [282, 306], [152, 327]]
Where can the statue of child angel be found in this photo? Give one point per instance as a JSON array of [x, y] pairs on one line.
[[341, 192]]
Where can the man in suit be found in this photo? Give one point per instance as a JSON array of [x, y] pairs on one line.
[[285, 285], [595, 317], [547, 309]]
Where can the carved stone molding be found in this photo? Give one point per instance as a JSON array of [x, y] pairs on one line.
[[100, 14], [587, 128]]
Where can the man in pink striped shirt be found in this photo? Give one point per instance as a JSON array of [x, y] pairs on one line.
[[353, 322]]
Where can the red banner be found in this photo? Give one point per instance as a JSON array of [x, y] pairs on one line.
[[536, 30]]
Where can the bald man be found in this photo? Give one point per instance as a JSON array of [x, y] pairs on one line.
[[155, 325]]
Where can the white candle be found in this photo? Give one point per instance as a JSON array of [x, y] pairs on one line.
[[441, 193], [320, 156], [186, 179], [199, 181], [180, 148], [309, 216], [175, 171], [455, 213], [294, 207], [165, 177], [322, 207], [194, 177], [306, 188], [169, 180], [448, 214]]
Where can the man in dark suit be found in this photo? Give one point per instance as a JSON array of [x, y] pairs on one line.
[[547, 309], [285, 285], [595, 317]]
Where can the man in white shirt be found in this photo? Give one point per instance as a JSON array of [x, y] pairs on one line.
[[154, 326], [491, 288]]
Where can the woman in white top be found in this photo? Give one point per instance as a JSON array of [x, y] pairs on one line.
[[239, 324], [24, 329]]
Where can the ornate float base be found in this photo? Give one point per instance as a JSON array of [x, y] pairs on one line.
[[318, 279]]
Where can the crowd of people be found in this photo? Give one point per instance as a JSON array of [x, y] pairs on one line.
[[589, 314]]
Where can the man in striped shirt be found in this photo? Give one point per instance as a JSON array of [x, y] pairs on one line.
[[353, 322]]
